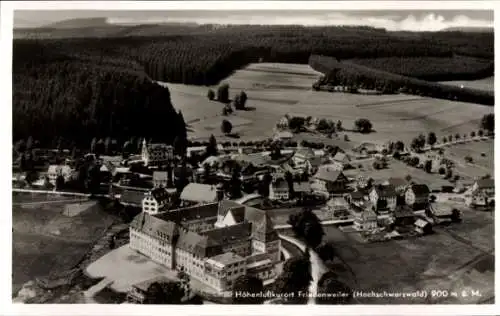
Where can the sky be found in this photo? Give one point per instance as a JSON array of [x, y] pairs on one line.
[[409, 20]]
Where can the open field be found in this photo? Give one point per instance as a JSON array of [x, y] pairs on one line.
[[276, 89], [437, 261], [46, 242], [481, 165], [487, 84]]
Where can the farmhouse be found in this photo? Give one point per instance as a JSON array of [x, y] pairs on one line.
[[481, 193], [342, 158], [160, 179], [156, 154], [364, 219], [303, 154], [242, 241], [399, 184], [56, 170], [417, 196], [328, 181], [337, 207], [423, 227], [278, 190], [383, 197], [197, 193]]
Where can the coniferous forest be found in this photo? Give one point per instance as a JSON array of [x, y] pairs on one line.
[[81, 88]]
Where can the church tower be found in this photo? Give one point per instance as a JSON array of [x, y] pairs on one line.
[[145, 153]]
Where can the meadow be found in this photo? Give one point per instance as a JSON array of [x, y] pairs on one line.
[[276, 89], [486, 84]]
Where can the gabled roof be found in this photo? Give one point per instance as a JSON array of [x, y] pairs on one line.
[[132, 197], [328, 174], [230, 234], [357, 195], [160, 176], [385, 190], [197, 244], [153, 226], [421, 223], [197, 192], [341, 157], [279, 184], [305, 152], [316, 161], [420, 189], [397, 182], [486, 183], [187, 214], [159, 194], [225, 206]]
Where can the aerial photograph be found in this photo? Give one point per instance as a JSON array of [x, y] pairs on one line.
[[253, 157]]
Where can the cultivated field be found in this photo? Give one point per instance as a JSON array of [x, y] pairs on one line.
[[46, 242], [276, 89], [439, 262], [487, 84], [481, 164]]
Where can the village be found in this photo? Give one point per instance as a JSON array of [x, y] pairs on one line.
[[210, 211]]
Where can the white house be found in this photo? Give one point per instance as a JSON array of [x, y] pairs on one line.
[[156, 154], [417, 194], [55, 170], [383, 197], [155, 201]]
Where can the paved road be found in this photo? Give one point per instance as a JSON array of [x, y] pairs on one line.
[[317, 266]]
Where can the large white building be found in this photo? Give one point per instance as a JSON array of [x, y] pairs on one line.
[[156, 154], [213, 243]]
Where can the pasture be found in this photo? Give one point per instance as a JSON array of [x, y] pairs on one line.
[[276, 89], [437, 261], [486, 84]]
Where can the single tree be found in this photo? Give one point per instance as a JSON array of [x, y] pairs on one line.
[[164, 293], [60, 182], [363, 125], [235, 183], [289, 181], [457, 136], [211, 149], [445, 140], [472, 134], [428, 166], [226, 127], [295, 278], [468, 159], [211, 94], [480, 133], [223, 93], [488, 123], [450, 138], [339, 126], [442, 170], [431, 139]]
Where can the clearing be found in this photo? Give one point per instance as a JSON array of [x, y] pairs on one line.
[[486, 84], [276, 89]]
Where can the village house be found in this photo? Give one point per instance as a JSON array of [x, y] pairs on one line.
[[283, 135], [160, 179], [283, 123], [337, 207], [481, 193], [383, 198], [55, 171], [278, 190], [417, 196], [197, 193], [341, 158], [357, 197], [442, 213], [328, 181], [156, 154], [155, 201], [242, 241], [365, 219], [302, 155], [423, 227], [399, 184], [404, 216]]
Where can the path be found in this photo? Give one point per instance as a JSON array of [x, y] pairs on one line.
[[49, 202], [317, 267]]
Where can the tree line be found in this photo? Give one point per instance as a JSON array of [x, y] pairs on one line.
[[357, 76]]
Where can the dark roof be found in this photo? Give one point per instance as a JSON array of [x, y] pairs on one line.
[[328, 174], [280, 183], [238, 214], [385, 190], [397, 182], [357, 195], [159, 194], [197, 244], [227, 205], [229, 234], [153, 226], [420, 189], [160, 176], [486, 183], [190, 213], [132, 197]]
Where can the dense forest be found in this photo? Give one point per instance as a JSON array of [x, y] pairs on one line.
[[85, 87], [353, 75], [81, 98]]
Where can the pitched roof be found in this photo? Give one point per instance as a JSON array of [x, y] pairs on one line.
[[279, 184], [421, 223], [328, 174], [385, 190], [197, 244], [153, 226], [197, 192], [420, 189], [229, 234], [238, 214], [316, 161], [357, 195], [397, 182], [305, 152], [341, 157], [160, 176], [486, 183], [159, 194], [192, 213], [303, 186], [132, 197], [225, 206]]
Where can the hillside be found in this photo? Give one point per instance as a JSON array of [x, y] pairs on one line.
[[78, 97], [78, 23]]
